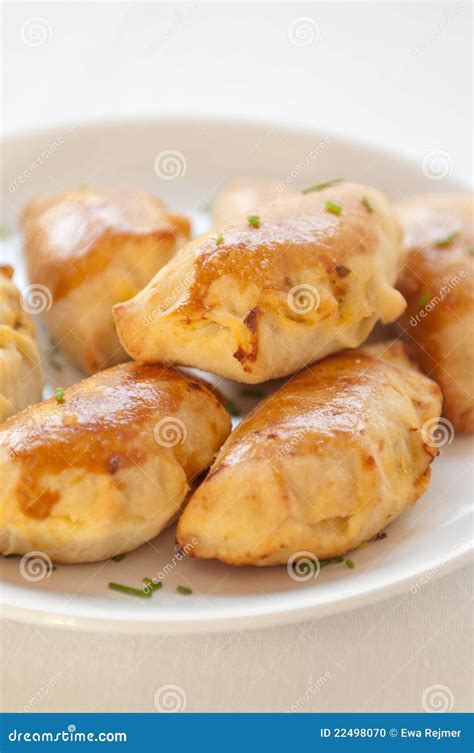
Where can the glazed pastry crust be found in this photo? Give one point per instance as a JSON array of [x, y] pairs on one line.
[[94, 248], [254, 304], [107, 468], [320, 466], [21, 380], [438, 284]]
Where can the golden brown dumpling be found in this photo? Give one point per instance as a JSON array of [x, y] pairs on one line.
[[21, 381], [312, 275], [109, 466], [438, 284], [321, 465], [91, 249]]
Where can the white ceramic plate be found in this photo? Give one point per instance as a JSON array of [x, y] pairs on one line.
[[428, 540]]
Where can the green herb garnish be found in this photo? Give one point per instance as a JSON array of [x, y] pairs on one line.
[[232, 408], [184, 590], [366, 203], [333, 208], [143, 594], [322, 184], [447, 240], [251, 393], [424, 300], [118, 557], [331, 561], [152, 585], [350, 564], [219, 239], [254, 220], [59, 394]]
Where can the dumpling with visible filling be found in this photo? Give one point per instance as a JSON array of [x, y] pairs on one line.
[[321, 465], [259, 299]]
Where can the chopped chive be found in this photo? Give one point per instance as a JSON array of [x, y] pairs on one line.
[[10, 556], [118, 557], [130, 591], [254, 220], [153, 585], [219, 239], [363, 545], [232, 408], [424, 300], [366, 203], [333, 208], [252, 393], [350, 564], [59, 394], [447, 240], [184, 590], [321, 184], [331, 561]]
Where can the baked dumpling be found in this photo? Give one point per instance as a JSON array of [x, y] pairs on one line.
[[91, 249], [21, 382], [108, 466], [321, 465], [253, 302], [438, 284], [242, 197]]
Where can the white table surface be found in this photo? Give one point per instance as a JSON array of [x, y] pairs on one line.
[[395, 75]]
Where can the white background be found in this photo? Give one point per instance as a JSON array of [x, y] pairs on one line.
[[395, 74]]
